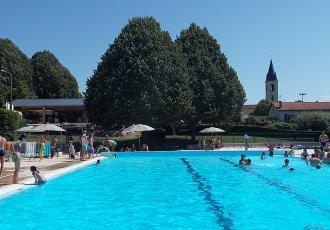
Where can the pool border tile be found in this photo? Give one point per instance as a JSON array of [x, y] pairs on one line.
[[12, 189]]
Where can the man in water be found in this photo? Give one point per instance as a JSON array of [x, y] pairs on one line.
[[324, 139], [3, 143], [286, 163], [315, 162], [242, 161]]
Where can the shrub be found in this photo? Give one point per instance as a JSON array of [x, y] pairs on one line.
[[315, 121], [9, 122]]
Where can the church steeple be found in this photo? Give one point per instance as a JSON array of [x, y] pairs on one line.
[[271, 84], [271, 75]]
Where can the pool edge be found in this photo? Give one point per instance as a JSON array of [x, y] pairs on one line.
[[12, 189]]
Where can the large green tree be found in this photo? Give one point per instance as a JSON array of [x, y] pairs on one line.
[[16, 63], [218, 94], [262, 108], [51, 79], [142, 78]]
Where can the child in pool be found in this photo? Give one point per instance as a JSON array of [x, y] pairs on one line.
[[39, 179]]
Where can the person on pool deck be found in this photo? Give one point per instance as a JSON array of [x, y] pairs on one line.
[[323, 139], [315, 162], [286, 163], [15, 150], [39, 179], [242, 161], [263, 156], [83, 142], [3, 143]]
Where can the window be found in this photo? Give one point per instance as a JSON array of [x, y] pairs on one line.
[[272, 87]]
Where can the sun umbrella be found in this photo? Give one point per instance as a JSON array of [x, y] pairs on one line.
[[49, 127], [212, 130], [139, 128], [29, 129]]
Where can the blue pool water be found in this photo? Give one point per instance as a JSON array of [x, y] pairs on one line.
[[181, 190]]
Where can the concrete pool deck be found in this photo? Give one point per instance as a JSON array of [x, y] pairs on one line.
[[49, 168]]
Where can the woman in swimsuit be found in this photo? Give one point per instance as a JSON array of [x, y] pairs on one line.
[[39, 179]]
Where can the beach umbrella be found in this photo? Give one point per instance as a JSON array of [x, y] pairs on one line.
[[138, 128], [212, 130], [29, 129], [49, 127]]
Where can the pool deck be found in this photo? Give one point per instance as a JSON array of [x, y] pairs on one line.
[[49, 168]]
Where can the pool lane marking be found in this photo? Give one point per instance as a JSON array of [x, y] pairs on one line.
[[284, 187], [206, 189]]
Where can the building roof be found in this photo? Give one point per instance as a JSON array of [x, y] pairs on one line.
[[248, 109], [302, 106], [271, 75], [48, 102]]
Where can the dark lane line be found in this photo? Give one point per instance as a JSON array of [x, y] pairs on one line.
[[284, 187], [206, 189]]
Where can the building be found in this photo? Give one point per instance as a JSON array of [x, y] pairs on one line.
[[285, 111], [271, 84], [51, 110]]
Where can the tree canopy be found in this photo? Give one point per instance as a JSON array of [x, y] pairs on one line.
[[51, 79], [9, 122], [218, 95], [142, 78], [262, 108], [16, 63]]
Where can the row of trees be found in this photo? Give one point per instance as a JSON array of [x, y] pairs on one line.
[[145, 77], [314, 121], [42, 76]]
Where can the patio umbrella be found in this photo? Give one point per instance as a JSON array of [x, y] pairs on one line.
[[139, 128], [49, 127], [212, 130], [29, 129]]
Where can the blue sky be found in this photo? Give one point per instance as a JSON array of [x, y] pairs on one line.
[[294, 33]]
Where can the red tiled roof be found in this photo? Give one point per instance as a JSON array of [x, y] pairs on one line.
[[248, 109], [302, 106]]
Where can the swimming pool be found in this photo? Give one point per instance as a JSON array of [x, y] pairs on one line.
[[177, 190]]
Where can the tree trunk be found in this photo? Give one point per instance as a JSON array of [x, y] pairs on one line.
[[173, 130]]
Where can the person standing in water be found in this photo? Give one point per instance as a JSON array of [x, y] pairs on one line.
[[263, 156], [3, 143]]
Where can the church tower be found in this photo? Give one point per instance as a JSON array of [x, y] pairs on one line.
[[271, 84]]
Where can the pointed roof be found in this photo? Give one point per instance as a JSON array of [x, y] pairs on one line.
[[271, 75]]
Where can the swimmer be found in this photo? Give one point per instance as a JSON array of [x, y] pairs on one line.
[[114, 155], [263, 156], [315, 162], [39, 179], [291, 169], [286, 163], [242, 161], [286, 154], [248, 162], [98, 162], [271, 150]]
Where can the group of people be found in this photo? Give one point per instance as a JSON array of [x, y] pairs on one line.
[[87, 145]]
